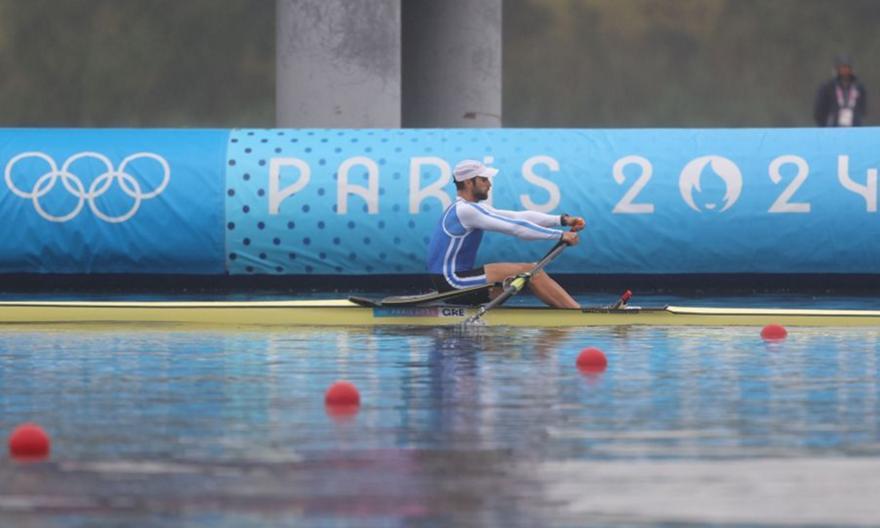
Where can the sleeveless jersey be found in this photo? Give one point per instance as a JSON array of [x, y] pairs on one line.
[[454, 243]]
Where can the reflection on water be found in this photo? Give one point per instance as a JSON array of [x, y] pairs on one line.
[[490, 426]]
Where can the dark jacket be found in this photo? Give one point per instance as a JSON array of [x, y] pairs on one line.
[[828, 106]]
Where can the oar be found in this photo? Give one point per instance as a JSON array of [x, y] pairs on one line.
[[518, 283]]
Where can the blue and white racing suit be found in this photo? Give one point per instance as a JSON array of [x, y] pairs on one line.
[[454, 243]]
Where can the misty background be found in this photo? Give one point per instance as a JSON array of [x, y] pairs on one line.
[[566, 63]]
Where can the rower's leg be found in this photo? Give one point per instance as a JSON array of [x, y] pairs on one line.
[[549, 291], [544, 287]]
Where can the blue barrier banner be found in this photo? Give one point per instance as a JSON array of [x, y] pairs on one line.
[[112, 201], [656, 201], [362, 202]]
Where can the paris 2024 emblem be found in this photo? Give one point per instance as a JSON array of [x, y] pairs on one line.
[[690, 181]]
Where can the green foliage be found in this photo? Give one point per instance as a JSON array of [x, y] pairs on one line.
[[681, 63], [567, 63], [139, 63]]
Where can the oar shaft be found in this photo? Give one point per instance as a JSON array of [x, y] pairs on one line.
[[552, 254], [519, 282], [512, 289]]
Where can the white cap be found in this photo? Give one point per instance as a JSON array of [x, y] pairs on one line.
[[467, 169]]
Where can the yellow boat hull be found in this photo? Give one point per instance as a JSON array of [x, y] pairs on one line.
[[346, 313]]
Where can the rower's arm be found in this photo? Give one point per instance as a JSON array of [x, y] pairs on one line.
[[474, 216], [542, 219]]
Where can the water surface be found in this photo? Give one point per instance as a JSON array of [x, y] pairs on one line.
[[494, 426]]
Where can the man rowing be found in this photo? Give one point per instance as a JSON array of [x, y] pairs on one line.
[[453, 247]]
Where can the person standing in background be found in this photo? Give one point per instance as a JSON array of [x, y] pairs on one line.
[[842, 101]]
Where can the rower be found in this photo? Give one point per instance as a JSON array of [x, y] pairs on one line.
[[453, 247]]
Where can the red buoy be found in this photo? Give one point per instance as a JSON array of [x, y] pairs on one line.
[[342, 393], [342, 400], [774, 332], [29, 442], [592, 360]]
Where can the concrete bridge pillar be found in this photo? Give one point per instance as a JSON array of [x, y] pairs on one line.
[[338, 63], [451, 63]]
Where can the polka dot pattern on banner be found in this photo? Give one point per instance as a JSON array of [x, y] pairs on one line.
[[283, 210]]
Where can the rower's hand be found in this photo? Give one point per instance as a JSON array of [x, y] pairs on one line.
[[576, 223], [570, 237]]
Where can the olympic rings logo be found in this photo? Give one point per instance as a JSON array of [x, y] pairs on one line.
[[73, 185]]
